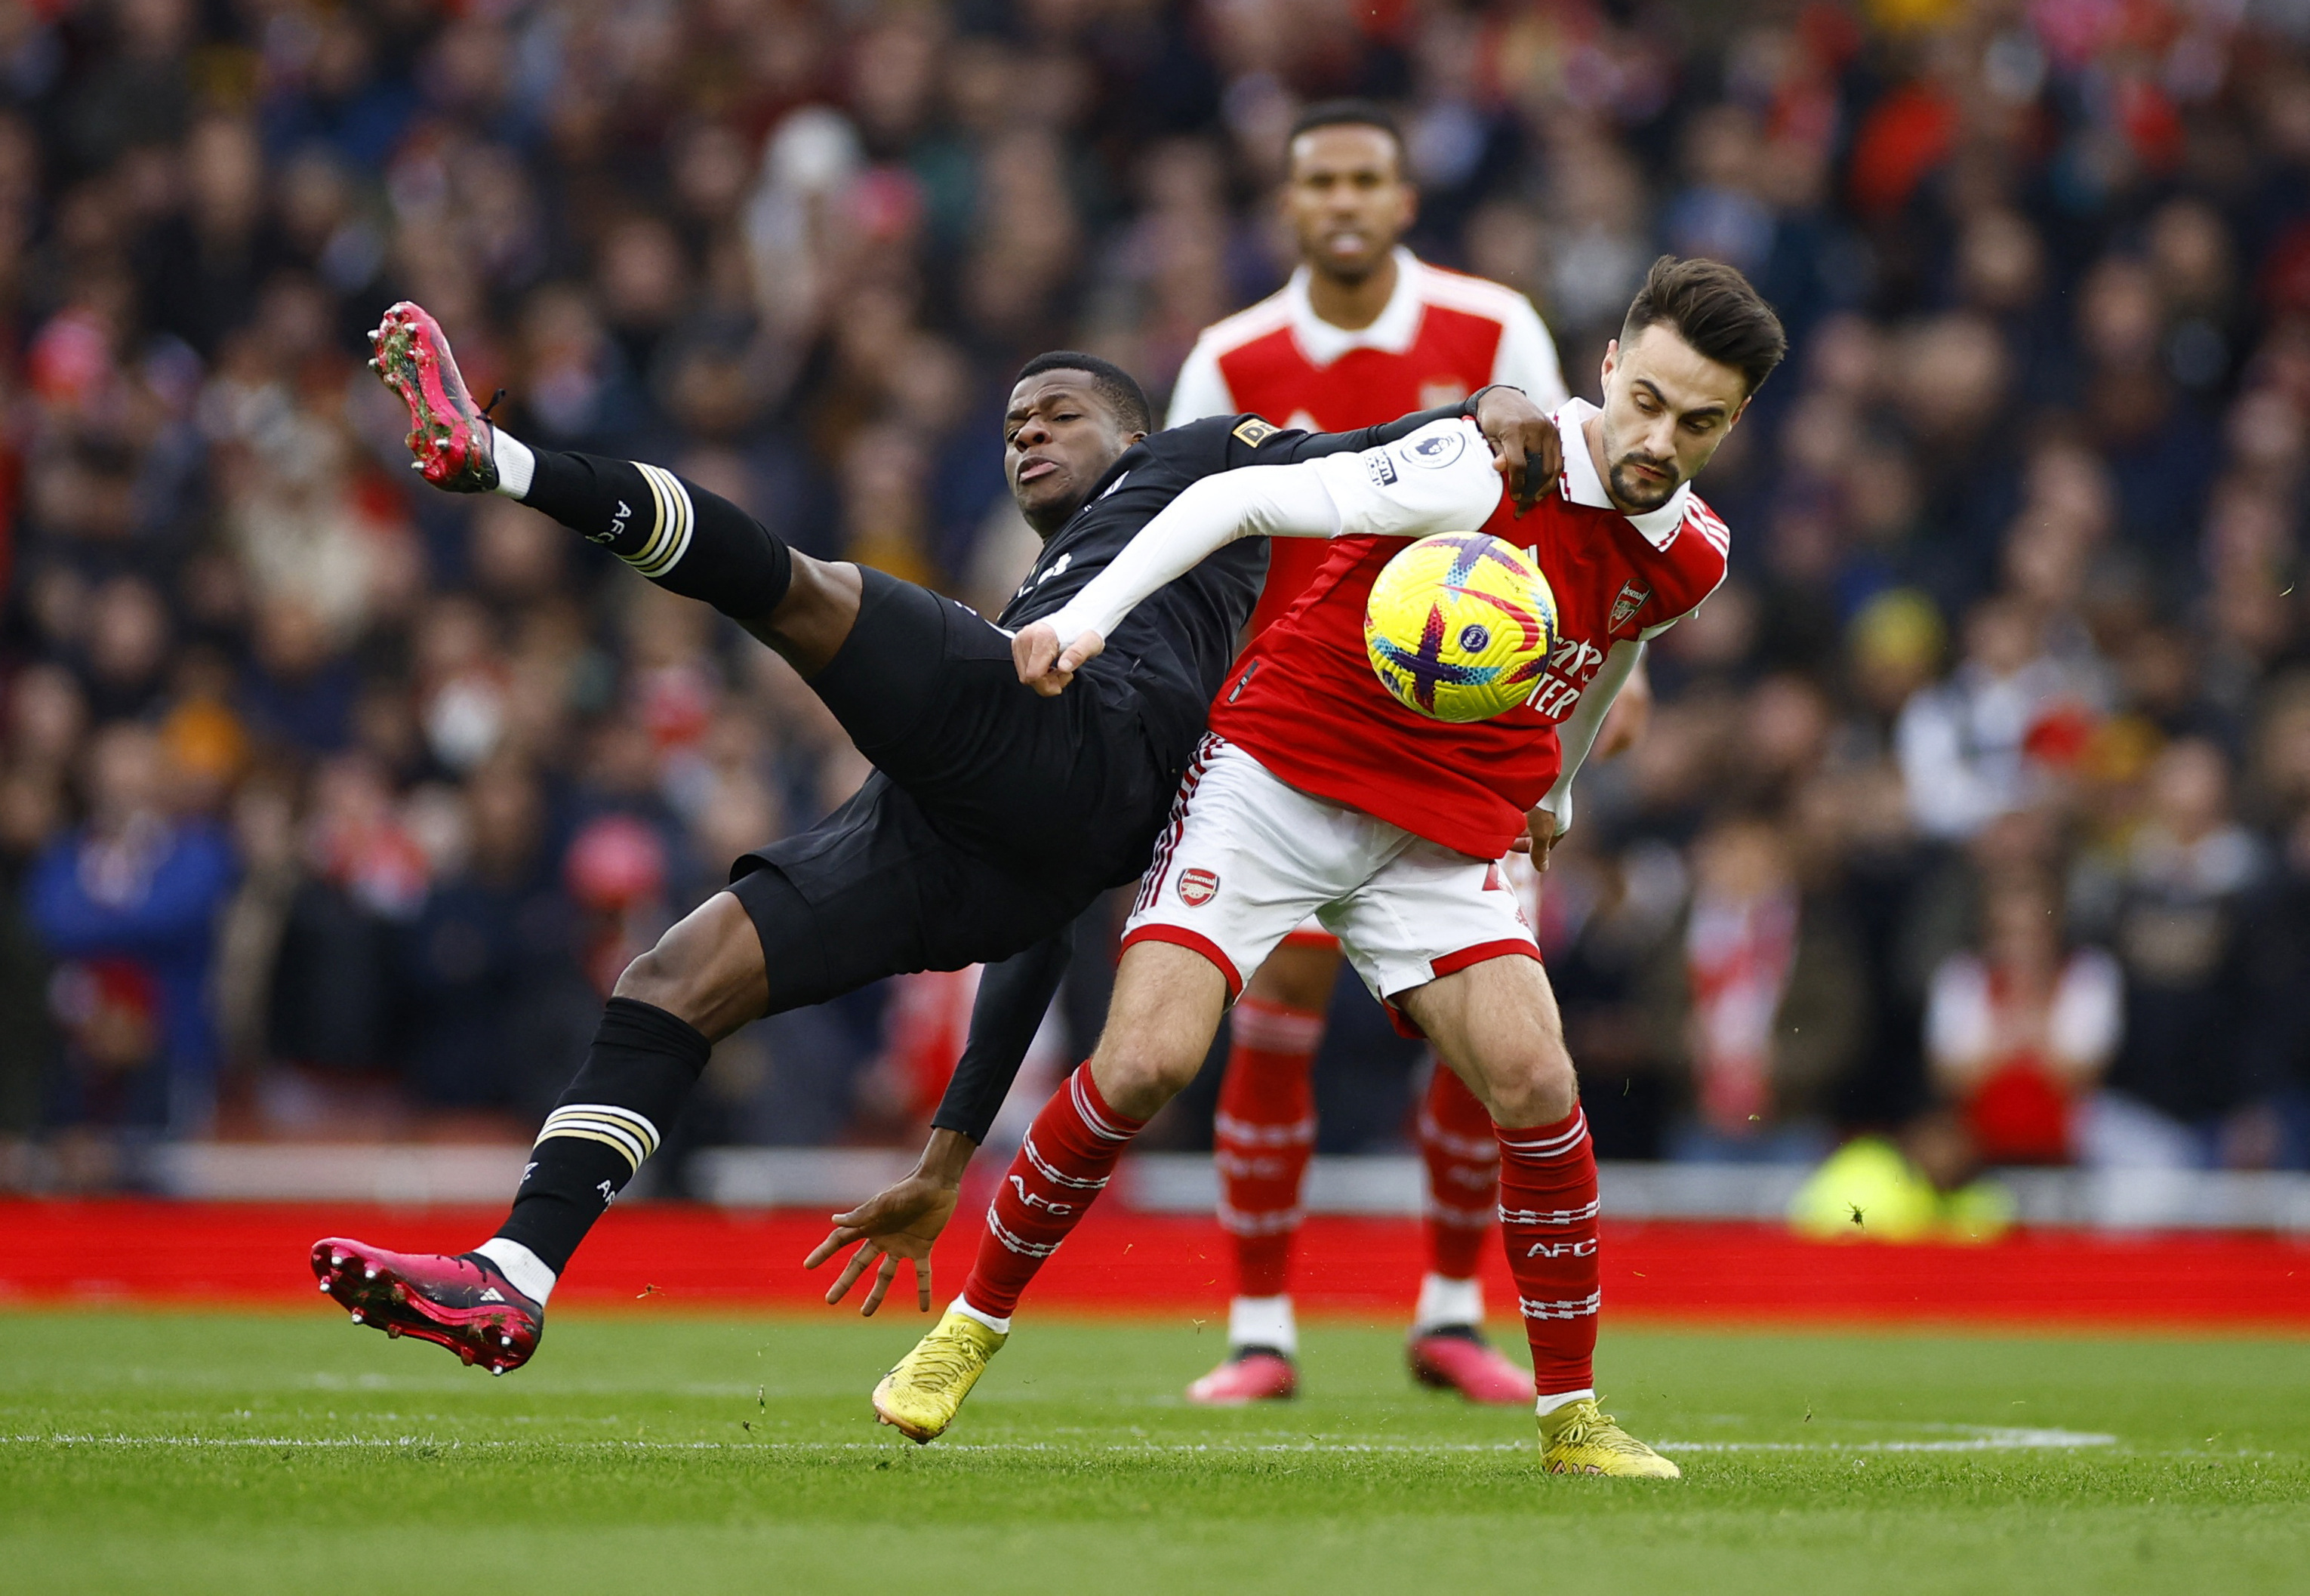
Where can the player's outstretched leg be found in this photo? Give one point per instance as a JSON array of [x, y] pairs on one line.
[[683, 537], [1497, 1022], [488, 1305], [1167, 1004], [1446, 1348], [1264, 1131]]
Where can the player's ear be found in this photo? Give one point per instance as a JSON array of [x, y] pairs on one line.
[[1613, 361]]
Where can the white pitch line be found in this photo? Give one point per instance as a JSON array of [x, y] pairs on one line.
[[1986, 1440], [1989, 1440]]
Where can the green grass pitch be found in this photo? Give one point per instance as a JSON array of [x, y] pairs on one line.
[[645, 1452]]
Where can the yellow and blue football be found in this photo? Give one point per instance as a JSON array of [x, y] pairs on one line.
[[1459, 626]]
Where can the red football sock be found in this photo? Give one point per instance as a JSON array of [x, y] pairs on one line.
[[1263, 1135], [1548, 1221], [1058, 1172], [1463, 1173]]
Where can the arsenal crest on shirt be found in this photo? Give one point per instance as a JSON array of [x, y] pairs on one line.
[[1196, 887], [1626, 603]]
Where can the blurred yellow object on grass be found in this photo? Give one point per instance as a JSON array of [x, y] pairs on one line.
[[1870, 1190]]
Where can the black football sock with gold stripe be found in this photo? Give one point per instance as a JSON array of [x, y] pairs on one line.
[[671, 530], [642, 1065]]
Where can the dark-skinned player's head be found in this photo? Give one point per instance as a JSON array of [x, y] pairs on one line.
[[1071, 416], [1696, 344], [1345, 192]]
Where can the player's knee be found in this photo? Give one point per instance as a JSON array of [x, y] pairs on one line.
[[658, 980], [1138, 1074], [707, 970], [1533, 1086]]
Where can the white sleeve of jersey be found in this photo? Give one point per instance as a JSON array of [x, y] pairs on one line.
[[1201, 388], [1578, 734], [1438, 478], [1527, 357]]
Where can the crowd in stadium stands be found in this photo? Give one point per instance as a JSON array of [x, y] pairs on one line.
[[1979, 798]]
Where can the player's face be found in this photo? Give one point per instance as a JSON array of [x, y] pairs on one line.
[[1058, 438], [1666, 408], [1347, 200]]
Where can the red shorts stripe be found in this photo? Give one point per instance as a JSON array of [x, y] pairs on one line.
[[1452, 964], [1194, 942]]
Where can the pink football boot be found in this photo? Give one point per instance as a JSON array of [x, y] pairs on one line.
[[465, 1303], [1250, 1374], [1459, 1359], [449, 437]]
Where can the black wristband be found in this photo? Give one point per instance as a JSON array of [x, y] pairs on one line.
[[1467, 406]]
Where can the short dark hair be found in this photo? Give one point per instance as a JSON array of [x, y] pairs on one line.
[[1348, 113], [1118, 388], [1714, 309]]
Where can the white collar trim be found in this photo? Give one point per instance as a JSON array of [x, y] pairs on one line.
[[1393, 332], [1580, 485]]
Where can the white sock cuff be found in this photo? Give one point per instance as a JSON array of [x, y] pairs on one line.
[[517, 466], [1001, 1327], [1549, 1404], [1263, 1322], [524, 1268], [1444, 1301]]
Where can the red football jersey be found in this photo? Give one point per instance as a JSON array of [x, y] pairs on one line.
[[1442, 336], [1305, 702]]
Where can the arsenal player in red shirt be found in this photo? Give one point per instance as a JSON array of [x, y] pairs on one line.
[[1364, 332], [1317, 792]]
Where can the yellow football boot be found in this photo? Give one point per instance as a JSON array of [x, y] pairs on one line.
[[1577, 1439], [922, 1395]]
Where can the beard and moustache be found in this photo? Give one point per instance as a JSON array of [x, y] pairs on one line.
[[1637, 493]]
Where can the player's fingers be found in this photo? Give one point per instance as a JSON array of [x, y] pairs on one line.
[[841, 1238], [1522, 845], [881, 1287], [1032, 650], [922, 1284], [1543, 464], [1530, 477], [851, 1270]]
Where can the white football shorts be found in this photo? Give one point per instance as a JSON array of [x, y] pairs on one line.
[[1247, 859]]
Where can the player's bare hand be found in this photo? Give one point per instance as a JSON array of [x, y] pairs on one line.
[[1539, 838], [1044, 664], [897, 1222], [1525, 447]]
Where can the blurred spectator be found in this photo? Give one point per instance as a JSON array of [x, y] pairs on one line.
[[1776, 1001], [2176, 902], [2021, 1029], [495, 999], [2278, 1023], [125, 902], [1989, 739]]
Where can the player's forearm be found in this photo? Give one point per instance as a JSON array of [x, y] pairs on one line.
[[1013, 996], [1577, 732], [1254, 501]]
